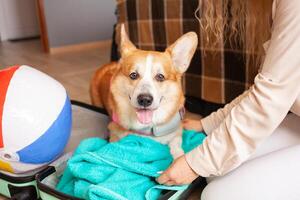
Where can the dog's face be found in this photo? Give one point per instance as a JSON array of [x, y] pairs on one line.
[[150, 82]]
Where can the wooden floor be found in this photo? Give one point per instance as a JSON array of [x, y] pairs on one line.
[[73, 69]]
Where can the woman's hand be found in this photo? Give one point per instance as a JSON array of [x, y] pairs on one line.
[[191, 124], [179, 173]]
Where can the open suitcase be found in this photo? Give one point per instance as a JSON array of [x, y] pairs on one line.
[[19, 186], [88, 121]]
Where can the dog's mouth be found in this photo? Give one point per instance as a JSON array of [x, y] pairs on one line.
[[144, 116]]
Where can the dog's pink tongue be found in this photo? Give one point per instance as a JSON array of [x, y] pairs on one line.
[[144, 116]]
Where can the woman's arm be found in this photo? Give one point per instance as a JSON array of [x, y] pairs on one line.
[[213, 120], [259, 113]]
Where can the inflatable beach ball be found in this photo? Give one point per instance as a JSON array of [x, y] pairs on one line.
[[35, 119]]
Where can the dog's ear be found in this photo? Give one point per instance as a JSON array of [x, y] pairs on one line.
[[182, 51], [126, 46]]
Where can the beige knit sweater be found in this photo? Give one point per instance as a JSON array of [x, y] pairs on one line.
[[235, 131]]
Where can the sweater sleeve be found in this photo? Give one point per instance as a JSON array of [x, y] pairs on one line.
[[264, 107], [213, 120]]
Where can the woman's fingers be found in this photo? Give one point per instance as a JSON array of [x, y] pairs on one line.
[[163, 179], [170, 183], [178, 173]]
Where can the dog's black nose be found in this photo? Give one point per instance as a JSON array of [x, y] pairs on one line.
[[145, 100]]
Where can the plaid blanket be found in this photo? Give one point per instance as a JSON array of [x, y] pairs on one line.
[[215, 75]]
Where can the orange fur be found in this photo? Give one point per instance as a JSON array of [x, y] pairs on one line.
[[102, 80], [100, 86], [113, 89]]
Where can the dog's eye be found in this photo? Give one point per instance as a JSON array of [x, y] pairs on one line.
[[134, 76], [160, 77]]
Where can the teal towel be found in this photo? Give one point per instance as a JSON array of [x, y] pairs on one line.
[[121, 170]]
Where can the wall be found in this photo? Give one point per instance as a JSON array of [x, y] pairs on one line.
[[1, 18], [18, 19], [79, 21]]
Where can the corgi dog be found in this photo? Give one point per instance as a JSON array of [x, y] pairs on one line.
[[142, 92]]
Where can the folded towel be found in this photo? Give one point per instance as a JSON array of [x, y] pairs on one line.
[[121, 170]]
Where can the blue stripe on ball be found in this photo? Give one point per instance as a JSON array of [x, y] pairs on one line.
[[52, 143]]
